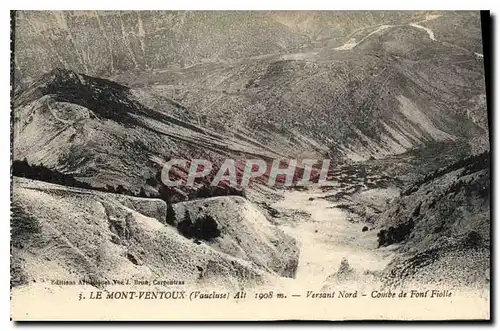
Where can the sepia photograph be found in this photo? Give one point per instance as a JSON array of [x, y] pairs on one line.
[[194, 165]]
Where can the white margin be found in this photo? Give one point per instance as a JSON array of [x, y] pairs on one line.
[[5, 324]]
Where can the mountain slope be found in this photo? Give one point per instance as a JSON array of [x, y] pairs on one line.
[[391, 90], [100, 238], [104, 42], [442, 219], [93, 128], [390, 87], [239, 220], [79, 234]]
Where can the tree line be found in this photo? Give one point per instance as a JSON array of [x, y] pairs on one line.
[[44, 174]]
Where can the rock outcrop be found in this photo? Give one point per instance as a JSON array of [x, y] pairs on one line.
[[235, 226], [77, 234]]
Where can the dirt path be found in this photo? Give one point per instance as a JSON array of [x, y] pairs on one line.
[[327, 236]]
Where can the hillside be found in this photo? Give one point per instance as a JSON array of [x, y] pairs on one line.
[[237, 221], [392, 89], [69, 233], [441, 225], [349, 85], [395, 100], [94, 129], [102, 43], [367, 100]]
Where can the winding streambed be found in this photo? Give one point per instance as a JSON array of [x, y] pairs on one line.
[[327, 236]]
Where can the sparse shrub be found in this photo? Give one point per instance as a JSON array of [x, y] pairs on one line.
[[395, 234], [250, 83], [22, 226], [151, 181], [142, 193], [170, 219], [204, 227], [432, 204], [416, 212], [120, 189], [472, 240], [438, 229], [470, 164], [42, 173], [208, 191]]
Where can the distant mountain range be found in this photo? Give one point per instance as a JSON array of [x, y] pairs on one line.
[[396, 101], [389, 90]]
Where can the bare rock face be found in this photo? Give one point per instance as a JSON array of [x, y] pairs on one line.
[[68, 233], [233, 225]]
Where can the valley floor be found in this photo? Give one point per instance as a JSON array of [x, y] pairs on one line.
[[335, 254], [328, 236]]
